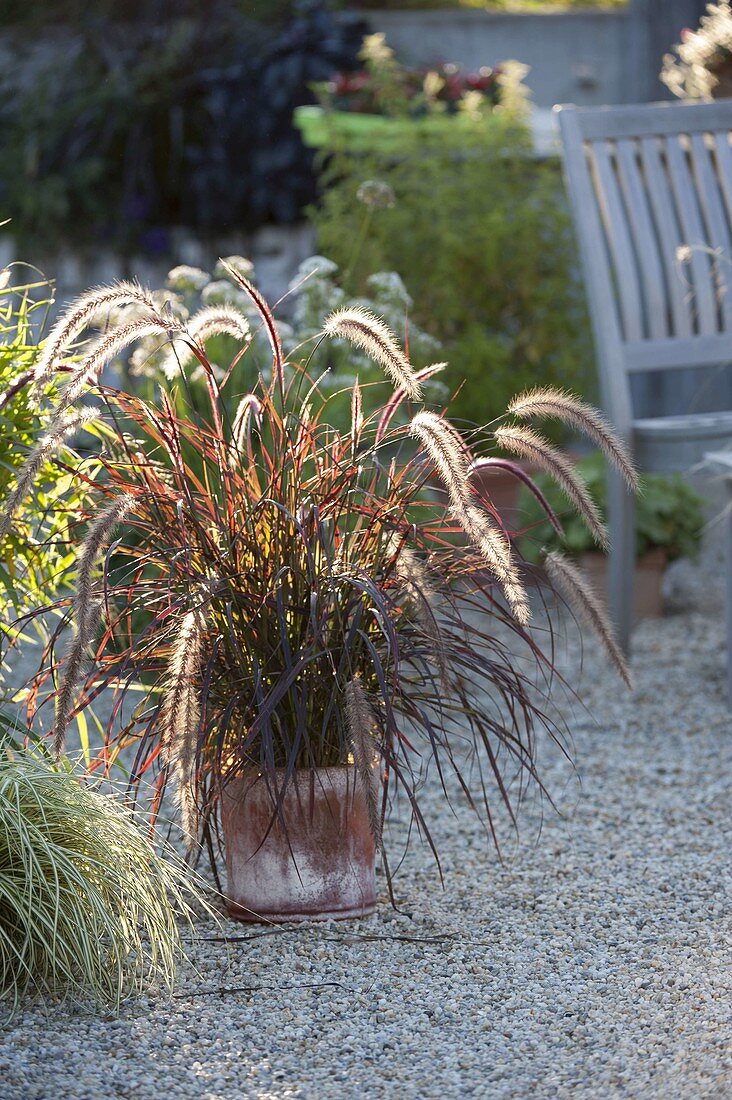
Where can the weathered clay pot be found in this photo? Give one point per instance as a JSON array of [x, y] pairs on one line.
[[497, 486], [318, 866], [723, 87], [647, 581]]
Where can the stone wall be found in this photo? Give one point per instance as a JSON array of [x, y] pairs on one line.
[[276, 252], [581, 56], [575, 57]]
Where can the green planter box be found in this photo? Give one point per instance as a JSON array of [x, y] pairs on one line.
[[363, 133]]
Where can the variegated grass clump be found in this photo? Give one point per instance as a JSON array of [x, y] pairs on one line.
[[88, 909], [292, 594]]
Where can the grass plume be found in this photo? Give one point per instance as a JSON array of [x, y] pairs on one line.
[[87, 607], [369, 333], [579, 594], [180, 716], [109, 346], [212, 321], [82, 313], [446, 448], [249, 406], [529, 444], [545, 401], [451, 457], [495, 550], [46, 446], [399, 396]]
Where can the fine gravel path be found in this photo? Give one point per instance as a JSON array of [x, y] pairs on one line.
[[595, 962]]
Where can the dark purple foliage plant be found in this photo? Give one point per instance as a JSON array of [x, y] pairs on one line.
[[289, 595]]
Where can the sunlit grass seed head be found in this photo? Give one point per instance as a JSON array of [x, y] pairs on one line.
[[546, 401], [580, 595], [369, 333], [529, 444], [84, 312]]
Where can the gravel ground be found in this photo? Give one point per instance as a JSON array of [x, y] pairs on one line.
[[594, 962]]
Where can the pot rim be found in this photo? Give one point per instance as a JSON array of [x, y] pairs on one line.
[[317, 770]]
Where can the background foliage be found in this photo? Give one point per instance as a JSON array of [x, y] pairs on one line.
[[121, 131], [481, 235], [669, 514]]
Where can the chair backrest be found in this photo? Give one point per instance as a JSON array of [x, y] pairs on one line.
[[651, 194]]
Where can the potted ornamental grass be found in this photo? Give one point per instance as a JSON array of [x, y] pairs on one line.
[[669, 522], [305, 628]]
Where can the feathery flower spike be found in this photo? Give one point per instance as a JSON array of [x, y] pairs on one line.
[[81, 314], [180, 715], [59, 431], [448, 451], [525, 479], [529, 444], [108, 347], [446, 448], [547, 401], [399, 395], [87, 609], [369, 333], [579, 594], [249, 406], [495, 550], [213, 321]]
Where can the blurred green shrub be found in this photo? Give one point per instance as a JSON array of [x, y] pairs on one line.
[[38, 548], [480, 232]]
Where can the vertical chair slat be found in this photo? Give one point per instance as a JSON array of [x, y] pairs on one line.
[[598, 280], [716, 223], [646, 242], [699, 265], [668, 232], [619, 242], [724, 168]]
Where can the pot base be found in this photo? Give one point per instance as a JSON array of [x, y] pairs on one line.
[[238, 912], [314, 860]]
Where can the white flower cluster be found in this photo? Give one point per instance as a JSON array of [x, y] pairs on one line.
[[189, 289], [314, 293], [691, 71], [317, 293]]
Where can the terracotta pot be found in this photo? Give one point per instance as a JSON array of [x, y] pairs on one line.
[[319, 865], [647, 580], [723, 88], [501, 488]]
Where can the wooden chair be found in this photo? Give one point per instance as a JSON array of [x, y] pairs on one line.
[[651, 193]]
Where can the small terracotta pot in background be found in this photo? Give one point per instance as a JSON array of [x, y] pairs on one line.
[[501, 489], [647, 580], [319, 865], [723, 88]]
